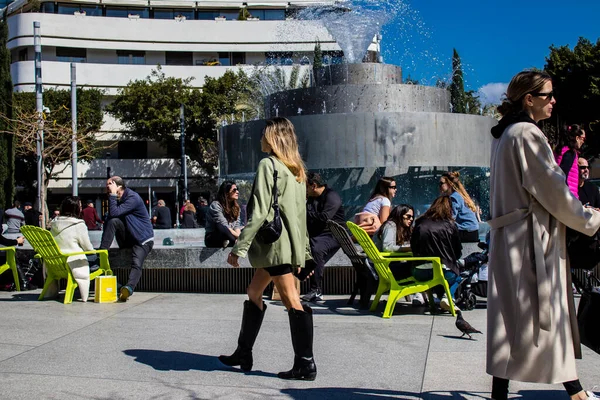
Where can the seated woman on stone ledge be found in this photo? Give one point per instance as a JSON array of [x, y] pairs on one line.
[[223, 225]]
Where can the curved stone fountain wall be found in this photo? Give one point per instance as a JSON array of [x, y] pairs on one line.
[[365, 131]]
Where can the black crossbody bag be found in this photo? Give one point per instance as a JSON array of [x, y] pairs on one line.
[[270, 232]]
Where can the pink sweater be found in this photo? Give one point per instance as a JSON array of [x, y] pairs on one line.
[[573, 175]]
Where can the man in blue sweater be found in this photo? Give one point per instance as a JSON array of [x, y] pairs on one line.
[[129, 222]]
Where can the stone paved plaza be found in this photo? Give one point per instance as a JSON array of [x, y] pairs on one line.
[[164, 346]]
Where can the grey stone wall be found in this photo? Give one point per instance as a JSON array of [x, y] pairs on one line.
[[363, 73], [394, 141], [357, 98]]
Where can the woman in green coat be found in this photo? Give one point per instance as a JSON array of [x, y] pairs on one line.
[[276, 261]]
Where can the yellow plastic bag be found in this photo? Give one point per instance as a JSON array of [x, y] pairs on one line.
[[106, 289]]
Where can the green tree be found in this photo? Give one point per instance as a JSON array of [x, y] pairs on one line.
[[472, 103], [58, 132], [318, 59], [576, 80], [457, 87], [149, 109], [7, 157]]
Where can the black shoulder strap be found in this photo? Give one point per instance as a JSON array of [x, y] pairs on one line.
[[275, 191]]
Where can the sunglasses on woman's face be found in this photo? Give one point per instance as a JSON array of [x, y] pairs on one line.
[[235, 190], [549, 96], [407, 217]]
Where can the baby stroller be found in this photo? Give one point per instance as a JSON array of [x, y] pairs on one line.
[[474, 275]]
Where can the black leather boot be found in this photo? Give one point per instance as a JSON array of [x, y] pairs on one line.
[[251, 321], [301, 326]]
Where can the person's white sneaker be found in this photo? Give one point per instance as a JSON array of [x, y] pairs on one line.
[[445, 304], [591, 395], [418, 300]]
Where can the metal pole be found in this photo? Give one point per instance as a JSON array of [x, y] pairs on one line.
[[74, 183], [39, 107], [183, 159], [150, 200]]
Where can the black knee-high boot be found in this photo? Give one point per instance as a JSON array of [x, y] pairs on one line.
[[301, 326], [251, 321]]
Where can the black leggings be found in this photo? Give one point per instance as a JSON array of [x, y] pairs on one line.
[[500, 388], [218, 236]]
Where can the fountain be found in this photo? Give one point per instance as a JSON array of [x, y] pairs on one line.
[[359, 122]]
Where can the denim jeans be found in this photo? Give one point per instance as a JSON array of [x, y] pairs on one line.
[[426, 274]]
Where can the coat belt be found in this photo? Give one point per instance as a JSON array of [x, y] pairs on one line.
[[543, 282]]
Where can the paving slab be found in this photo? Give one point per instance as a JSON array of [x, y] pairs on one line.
[[164, 346]]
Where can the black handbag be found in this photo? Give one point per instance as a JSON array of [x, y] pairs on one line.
[[270, 232], [588, 320]]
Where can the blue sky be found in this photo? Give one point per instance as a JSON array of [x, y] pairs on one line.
[[495, 39]]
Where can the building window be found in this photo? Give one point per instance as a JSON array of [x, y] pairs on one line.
[[131, 57], [232, 58], [23, 55], [333, 57], [206, 14], [70, 9], [130, 149], [283, 58], [274, 15], [178, 58], [48, 8], [188, 14], [70, 54], [163, 13], [124, 12]]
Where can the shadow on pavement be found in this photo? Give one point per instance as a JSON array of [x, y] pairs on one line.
[[22, 296], [337, 393], [181, 361]]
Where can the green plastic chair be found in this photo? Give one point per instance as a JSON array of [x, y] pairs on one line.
[[55, 261], [10, 264], [387, 282]]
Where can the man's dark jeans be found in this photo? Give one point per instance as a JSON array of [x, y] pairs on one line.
[[115, 228], [322, 247]]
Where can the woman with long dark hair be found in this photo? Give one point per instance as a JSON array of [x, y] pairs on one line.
[[436, 235], [532, 333], [566, 155], [276, 261], [223, 225]]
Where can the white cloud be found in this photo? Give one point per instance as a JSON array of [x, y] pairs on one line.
[[492, 93]]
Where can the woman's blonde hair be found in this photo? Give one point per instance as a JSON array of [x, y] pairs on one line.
[[457, 186], [280, 135], [189, 207]]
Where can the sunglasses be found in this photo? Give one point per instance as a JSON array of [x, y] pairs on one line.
[[235, 190], [549, 96], [392, 187], [583, 167], [409, 217]]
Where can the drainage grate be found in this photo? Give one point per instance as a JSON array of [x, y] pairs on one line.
[[336, 280]]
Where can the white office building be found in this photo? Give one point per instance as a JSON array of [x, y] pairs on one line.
[[116, 41]]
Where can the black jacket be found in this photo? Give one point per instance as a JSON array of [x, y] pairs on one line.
[[437, 239], [589, 194], [321, 209]]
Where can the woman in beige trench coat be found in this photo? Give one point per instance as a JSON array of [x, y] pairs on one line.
[[532, 331]]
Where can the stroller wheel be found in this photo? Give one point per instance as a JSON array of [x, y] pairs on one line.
[[471, 301]]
